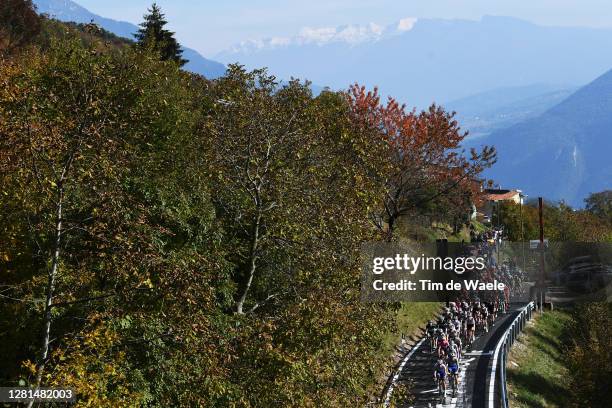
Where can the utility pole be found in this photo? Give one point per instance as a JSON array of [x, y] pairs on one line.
[[521, 217], [521, 197], [541, 284]]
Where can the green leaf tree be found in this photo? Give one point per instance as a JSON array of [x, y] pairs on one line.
[[600, 204], [105, 224]]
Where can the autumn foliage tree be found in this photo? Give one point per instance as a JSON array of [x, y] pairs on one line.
[[430, 170], [19, 24], [59, 143]]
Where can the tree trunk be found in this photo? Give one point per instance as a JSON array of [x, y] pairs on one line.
[[252, 264], [52, 274], [390, 228]]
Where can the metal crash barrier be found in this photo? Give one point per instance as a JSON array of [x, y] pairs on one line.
[[510, 336]]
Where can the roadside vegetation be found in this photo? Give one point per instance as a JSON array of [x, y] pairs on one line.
[[537, 370], [561, 359], [589, 346], [411, 318], [561, 222]]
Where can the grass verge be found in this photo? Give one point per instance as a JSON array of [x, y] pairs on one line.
[[537, 373], [410, 318]]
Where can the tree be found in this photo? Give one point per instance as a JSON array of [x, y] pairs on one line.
[[254, 140], [19, 24], [600, 204], [561, 223], [152, 35], [57, 141], [431, 174], [293, 194], [90, 236], [589, 342]]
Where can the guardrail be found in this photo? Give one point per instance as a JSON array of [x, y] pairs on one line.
[[506, 342]]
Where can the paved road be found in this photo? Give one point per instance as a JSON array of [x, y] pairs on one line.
[[474, 376]]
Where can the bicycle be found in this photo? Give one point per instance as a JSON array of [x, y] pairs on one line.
[[492, 318], [442, 389], [471, 335], [432, 342], [485, 323], [454, 381]]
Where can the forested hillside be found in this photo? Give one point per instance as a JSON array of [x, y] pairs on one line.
[[166, 240], [569, 142], [69, 11]]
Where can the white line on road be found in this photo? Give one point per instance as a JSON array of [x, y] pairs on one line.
[[479, 353], [493, 370], [399, 371]]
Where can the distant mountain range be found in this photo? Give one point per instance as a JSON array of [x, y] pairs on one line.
[[489, 111], [497, 73], [553, 140], [426, 60], [565, 152], [66, 10]]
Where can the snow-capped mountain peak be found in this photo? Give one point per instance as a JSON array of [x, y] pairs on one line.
[[351, 34]]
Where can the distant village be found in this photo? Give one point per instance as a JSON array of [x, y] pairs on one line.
[[485, 208]]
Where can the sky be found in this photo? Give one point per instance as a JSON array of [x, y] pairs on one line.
[[211, 26]]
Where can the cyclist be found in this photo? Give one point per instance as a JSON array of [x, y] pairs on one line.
[[476, 306], [457, 340], [448, 326], [478, 320], [457, 323], [470, 326], [464, 316], [443, 346], [492, 313], [449, 347], [453, 308], [440, 371], [492, 310], [453, 370], [484, 312], [452, 348], [431, 334]]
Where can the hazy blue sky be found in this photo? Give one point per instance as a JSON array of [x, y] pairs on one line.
[[212, 25]]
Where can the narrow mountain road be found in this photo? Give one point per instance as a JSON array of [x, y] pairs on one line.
[[474, 375]]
